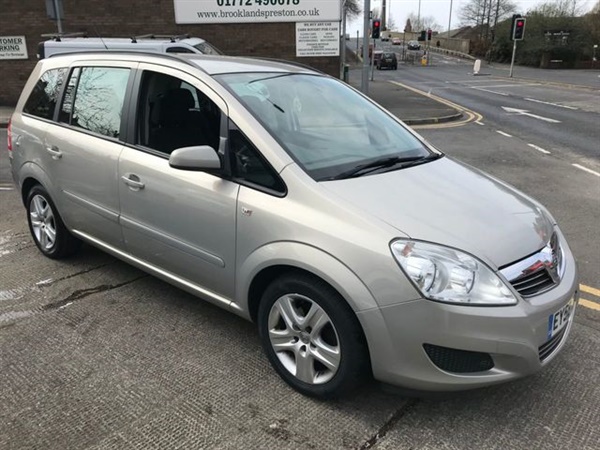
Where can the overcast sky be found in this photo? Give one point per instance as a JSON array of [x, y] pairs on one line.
[[440, 9]]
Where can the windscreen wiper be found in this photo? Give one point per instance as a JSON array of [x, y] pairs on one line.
[[383, 163]]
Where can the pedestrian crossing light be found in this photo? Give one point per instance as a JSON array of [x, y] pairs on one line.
[[519, 29], [376, 29]]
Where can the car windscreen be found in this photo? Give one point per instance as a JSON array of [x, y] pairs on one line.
[[206, 49], [324, 125]]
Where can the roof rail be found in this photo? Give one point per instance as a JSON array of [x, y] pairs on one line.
[[171, 37], [57, 36]]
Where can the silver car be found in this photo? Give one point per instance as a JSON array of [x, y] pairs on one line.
[[290, 199]]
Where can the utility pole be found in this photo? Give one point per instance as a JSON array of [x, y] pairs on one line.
[[343, 43], [383, 16], [364, 85], [449, 19]]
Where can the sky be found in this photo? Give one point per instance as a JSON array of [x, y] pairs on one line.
[[440, 10]]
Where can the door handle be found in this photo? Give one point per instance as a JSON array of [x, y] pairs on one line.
[[133, 181], [54, 151]]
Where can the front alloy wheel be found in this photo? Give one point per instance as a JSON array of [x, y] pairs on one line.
[[304, 339], [311, 336]]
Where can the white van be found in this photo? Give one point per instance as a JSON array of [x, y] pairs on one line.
[[145, 43]]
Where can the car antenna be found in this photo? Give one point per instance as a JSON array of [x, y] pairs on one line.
[[100, 37]]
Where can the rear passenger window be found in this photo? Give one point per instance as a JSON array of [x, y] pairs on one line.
[[43, 98], [99, 97]]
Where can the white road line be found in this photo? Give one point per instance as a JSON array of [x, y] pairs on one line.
[[480, 123], [551, 104], [6, 189], [503, 133], [593, 172], [491, 92], [512, 85], [539, 149]]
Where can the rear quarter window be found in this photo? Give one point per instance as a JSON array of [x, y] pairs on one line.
[[44, 96]]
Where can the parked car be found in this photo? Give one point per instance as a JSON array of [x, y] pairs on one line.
[[146, 43], [413, 45], [287, 197], [396, 41], [387, 60]]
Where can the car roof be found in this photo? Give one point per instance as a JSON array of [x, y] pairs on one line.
[[126, 40], [210, 64]]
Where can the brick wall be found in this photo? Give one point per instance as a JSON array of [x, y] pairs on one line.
[[135, 17]]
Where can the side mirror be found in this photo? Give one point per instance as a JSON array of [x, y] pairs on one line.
[[201, 157]]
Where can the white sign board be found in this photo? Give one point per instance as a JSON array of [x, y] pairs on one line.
[[261, 11], [317, 39], [13, 47]]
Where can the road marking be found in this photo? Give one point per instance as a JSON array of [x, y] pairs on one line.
[[590, 290], [487, 90], [512, 85], [551, 104], [503, 133], [539, 149], [472, 116], [593, 172], [2, 188], [589, 304], [480, 123], [524, 112]]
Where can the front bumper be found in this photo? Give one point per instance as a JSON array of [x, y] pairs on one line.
[[513, 336]]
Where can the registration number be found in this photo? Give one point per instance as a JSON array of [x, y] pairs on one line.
[[559, 319]]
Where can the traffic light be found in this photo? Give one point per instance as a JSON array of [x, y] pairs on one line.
[[429, 34], [423, 36], [376, 29], [519, 29]]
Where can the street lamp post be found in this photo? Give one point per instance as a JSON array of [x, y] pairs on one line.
[[449, 19], [594, 56]]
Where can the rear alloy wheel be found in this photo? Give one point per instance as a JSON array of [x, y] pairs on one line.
[[311, 336], [47, 228]]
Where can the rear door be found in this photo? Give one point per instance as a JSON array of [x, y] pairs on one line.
[[84, 145]]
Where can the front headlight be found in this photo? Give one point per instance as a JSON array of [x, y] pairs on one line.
[[448, 275]]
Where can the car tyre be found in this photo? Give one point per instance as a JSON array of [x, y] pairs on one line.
[[312, 337], [46, 226]]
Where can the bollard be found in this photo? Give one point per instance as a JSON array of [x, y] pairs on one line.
[[476, 67], [424, 60]]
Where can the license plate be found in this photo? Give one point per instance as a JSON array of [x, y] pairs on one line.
[[559, 319]]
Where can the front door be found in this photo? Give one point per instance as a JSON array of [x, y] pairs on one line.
[[182, 222]]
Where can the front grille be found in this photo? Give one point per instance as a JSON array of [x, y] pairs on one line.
[[458, 361], [548, 348], [533, 282]]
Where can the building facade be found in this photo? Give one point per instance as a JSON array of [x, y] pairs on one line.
[[125, 18]]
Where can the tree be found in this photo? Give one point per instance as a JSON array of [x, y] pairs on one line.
[[423, 23], [391, 23], [352, 9], [478, 13], [558, 8]]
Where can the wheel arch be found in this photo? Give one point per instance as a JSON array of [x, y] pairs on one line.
[[277, 259]]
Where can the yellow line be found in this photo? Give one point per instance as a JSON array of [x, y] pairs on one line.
[[588, 304], [590, 290], [472, 116]]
